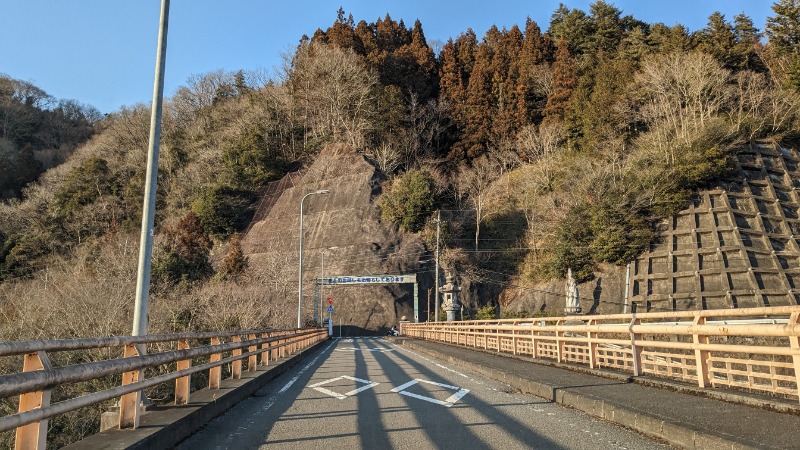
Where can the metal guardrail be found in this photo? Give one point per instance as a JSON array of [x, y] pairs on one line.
[[38, 377], [754, 348]]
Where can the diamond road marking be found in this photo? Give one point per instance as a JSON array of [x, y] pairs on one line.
[[448, 403], [368, 383]]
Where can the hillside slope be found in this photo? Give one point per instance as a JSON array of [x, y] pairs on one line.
[[736, 246], [346, 224]]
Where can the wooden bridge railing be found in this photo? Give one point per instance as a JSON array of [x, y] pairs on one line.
[[753, 348], [38, 377]]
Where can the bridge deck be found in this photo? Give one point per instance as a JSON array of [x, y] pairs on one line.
[[681, 418]]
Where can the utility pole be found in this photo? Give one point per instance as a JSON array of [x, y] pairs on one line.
[[428, 311], [436, 294], [148, 212]]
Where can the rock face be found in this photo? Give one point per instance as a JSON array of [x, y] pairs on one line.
[[602, 295], [345, 226]]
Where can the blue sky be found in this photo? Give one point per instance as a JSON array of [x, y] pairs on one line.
[[102, 52]]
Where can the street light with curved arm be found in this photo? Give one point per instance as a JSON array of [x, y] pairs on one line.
[[300, 282]]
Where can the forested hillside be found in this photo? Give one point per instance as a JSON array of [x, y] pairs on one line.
[[544, 146], [37, 132]]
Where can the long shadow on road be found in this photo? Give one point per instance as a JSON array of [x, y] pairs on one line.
[[516, 429], [370, 427], [265, 408], [449, 432]]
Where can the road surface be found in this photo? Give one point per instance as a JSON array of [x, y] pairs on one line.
[[369, 393]]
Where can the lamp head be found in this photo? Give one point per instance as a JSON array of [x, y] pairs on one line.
[[321, 191]]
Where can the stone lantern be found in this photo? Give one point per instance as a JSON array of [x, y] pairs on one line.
[[450, 295]]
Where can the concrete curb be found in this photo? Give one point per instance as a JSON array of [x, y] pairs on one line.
[[674, 432], [166, 426]]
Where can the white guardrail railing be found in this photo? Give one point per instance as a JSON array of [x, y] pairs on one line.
[[754, 349], [211, 349]]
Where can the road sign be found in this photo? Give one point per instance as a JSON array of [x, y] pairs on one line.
[[330, 309], [330, 300]]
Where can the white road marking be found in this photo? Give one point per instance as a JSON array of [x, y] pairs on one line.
[[291, 382], [353, 349], [448, 403], [369, 384]]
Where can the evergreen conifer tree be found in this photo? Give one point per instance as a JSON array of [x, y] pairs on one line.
[[564, 81]]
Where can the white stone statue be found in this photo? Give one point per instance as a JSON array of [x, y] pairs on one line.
[[573, 303]]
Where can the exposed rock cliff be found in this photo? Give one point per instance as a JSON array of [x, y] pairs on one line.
[[347, 226]]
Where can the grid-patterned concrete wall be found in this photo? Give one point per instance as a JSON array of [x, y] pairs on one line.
[[736, 246]]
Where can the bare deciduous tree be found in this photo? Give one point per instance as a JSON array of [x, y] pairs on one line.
[[681, 93], [387, 156], [475, 182], [335, 92]]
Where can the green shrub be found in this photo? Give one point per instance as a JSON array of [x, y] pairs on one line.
[[619, 232], [570, 248], [250, 160], [410, 201], [487, 312], [223, 210], [84, 184]]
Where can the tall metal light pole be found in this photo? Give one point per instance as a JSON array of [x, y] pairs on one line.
[[300, 282], [436, 274], [148, 213]]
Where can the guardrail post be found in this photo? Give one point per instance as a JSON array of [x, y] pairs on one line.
[[129, 403], [559, 342], [183, 384], [273, 347], [264, 350], [215, 373], [636, 351], [534, 333], [794, 343], [33, 435], [236, 366], [592, 345], [701, 356], [514, 339], [252, 360]]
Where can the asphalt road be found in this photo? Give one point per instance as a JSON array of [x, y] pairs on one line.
[[369, 393]]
